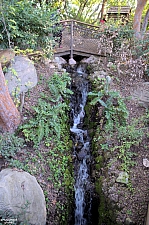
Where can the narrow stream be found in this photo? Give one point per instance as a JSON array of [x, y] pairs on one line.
[[81, 150]]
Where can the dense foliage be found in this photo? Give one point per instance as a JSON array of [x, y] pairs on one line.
[[47, 131], [29, 24], [26, 25], [49, 119]]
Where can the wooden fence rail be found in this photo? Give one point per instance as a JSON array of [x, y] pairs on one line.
[[78, 38]]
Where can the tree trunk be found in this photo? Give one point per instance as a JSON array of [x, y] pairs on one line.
[[145, 22], [102, 9], [137, 17], [9, 115]]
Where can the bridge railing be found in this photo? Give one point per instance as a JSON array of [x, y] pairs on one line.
[[80, 36]]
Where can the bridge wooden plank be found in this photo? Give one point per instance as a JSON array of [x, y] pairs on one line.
[[77, 41], [77, 52]]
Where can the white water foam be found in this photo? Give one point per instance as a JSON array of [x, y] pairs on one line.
[[82, 175], [80, 194]]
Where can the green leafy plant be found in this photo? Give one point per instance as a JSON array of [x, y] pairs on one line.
[[26, 24], [114, 107], [116, 128], [49, 118], [127, 137], [10, 145], [58, 87], [50, 126]]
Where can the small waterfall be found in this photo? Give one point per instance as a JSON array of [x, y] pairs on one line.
[[81, 147], [81, 181]]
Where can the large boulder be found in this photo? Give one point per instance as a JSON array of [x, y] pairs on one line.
[[21, 197], [21, 75]]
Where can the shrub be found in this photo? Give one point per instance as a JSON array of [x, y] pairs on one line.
[[26, 25]]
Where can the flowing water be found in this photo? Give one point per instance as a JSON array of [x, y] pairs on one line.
[[81, 150]]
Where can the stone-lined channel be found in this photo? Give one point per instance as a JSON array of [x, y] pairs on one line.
[[81, 148]]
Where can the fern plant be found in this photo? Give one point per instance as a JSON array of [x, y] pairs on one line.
[[49, 118], [114, 106], [58, 86]]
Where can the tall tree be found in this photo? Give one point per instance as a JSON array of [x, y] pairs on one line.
[[137, 17], [9, 115]]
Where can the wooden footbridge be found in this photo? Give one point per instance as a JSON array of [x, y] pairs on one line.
[[78, 38]]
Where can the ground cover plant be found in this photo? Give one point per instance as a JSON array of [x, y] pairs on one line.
[[120, 141], [42, 145]]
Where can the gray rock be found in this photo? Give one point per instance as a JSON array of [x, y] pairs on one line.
[[91, 59], [146, 163], [140, 94], [122, 178], [22, 197], [60, 60], [72, 61], [21, 75]]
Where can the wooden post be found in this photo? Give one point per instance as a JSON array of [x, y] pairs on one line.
[[71, 41]]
